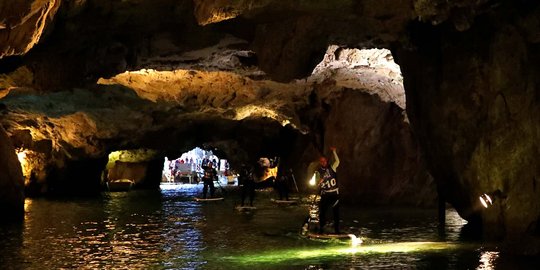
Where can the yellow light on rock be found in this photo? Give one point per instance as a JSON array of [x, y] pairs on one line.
[[21, 154], [26, 167], [25, 157]]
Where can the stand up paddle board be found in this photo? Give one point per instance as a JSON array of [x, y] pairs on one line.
[[208, 199], [284, 201], [327, 236], [245, 208]]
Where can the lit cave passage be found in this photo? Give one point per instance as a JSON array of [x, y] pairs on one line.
[[452, 140], [189, 167]]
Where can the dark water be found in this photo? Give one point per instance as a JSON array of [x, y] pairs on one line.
[[168, 230]]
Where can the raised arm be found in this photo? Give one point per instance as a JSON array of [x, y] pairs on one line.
[[335, 164]]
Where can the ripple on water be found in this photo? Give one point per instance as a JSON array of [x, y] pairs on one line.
[[168, 230]]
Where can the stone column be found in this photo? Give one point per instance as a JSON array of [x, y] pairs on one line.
[[11, 181]]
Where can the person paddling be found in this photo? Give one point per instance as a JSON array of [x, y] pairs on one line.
[[329, 190], [245, 180], [210, 175]]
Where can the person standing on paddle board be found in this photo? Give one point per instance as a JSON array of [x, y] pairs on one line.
[[245, 180], [281, 184], [329, 190], [210, 175]]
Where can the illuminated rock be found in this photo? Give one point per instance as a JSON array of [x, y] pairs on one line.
[[11, 181], [23, 23]]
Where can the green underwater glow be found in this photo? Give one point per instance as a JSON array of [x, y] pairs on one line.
[[280, 256]]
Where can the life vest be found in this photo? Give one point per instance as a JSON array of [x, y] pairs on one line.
[[245, 177], [328, 182], [209, 174]]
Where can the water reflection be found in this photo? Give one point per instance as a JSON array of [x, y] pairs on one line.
[[282, 255], [168, 230], [27, 205], [11, 244], [182, 238], [487, 260]]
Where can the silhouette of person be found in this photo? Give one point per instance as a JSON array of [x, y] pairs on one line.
[[210, 175], [329, 190]]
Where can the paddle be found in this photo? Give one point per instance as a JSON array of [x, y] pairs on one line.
[[294, 180], [305, 225], [220, 186]]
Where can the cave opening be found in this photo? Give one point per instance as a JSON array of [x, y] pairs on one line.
[[125, 169], [188, 168]]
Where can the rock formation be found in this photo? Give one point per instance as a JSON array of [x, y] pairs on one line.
[[471, 99], [131, 74], [11, 181]]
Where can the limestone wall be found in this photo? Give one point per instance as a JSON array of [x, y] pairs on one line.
[[11, 181]]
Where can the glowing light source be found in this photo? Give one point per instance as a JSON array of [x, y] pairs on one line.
[[488, 198], [485, 200], [312, 180], [355, 241]]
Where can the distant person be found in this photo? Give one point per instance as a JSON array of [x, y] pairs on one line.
[[282, 185], [226, 168], [210, 175], [329, 190], [265, 173], [245, 181], [204, 162], [264, 162]]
